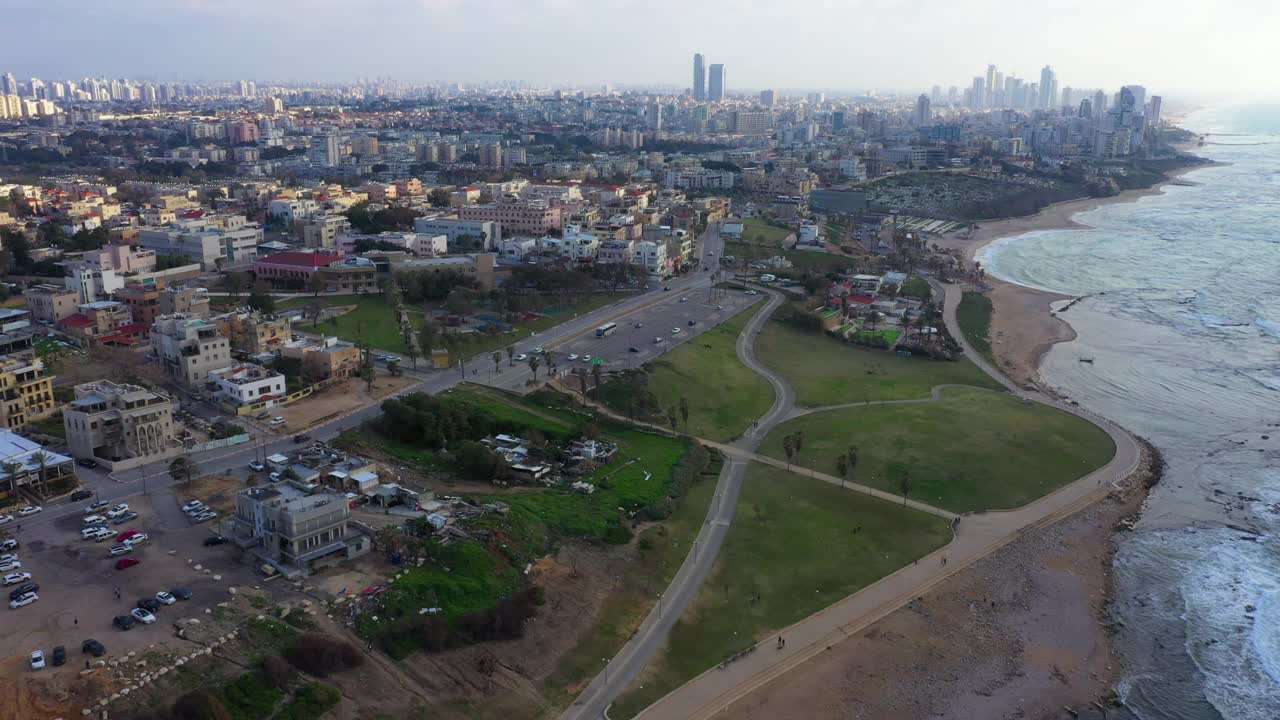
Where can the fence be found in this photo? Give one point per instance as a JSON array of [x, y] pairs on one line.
[[215, 444]]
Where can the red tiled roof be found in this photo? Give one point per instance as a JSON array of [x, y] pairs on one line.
[[116, 338], [133, 328], [861, 299], [300, 259], [78, 320]]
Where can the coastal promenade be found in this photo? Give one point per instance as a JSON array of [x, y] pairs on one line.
[[976, 536]]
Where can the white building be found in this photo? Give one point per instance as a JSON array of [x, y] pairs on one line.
[[433, 245], [516, 249], [289, 209], [248, 384], [91, 283], [652, 255], [577, 244], [809, 234]]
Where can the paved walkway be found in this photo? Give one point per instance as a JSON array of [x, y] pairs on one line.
[[976, 536]]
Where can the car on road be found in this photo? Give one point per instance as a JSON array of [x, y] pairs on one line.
[[633, 349], [215, 540], [684, 299], [22, 600], [752, 292], [692, 323], [665, 288], [277, 420], [657, 341], [23, 589], [150, 604], [87, 463], [131, 515], [5, 519], [29, 510], [639, 325], [165, 598], [573, 357], [137, 540], [17, 577], [205, 516], [125, 563], [119, 550], [521, 357], [675, 331], [719, 307], [586, 358], [95, 507], [299, 439], [124, 622], [192, 505], [79, 495], [256, 467], [181, 593], [10, 565], [37, 659], [126, 534], [538, 351], [93, 647], [59, 656]]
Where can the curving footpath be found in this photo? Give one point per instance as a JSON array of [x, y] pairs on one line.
[[976, 536]]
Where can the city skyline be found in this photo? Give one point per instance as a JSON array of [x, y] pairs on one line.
[[656, 53]]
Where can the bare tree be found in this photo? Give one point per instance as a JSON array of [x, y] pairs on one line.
[[684, 412], [497, 360], [789, 447]]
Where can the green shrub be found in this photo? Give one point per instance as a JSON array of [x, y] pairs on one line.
[[249, 697], [321, 656], [310, 702], [200, 705]]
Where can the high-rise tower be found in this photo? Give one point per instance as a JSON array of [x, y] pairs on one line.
[[699, 78], [716, 84]]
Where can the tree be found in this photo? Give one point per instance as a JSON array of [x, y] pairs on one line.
[[313, 310], [439, 198], [368, 374], [534, 362], [316, 284], [799, 441], [842, 468], [582, 381], [671, 418], [182, 469], [511, 352], [411, 352], [684, 412], [789, 447], [905, 485], [42, 460], [236, 283], [11, 469], [388, 538], [262, 302], [497, 360], [596, 372], [852, 458], [393, 367]]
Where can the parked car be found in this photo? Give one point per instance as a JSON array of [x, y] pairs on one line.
[[124, 622], [10, 565], [125, 535], [181, 593], [93, 647], [275, 477], [100, 534], [29, 510], [137, 540], [23, 589], [277, 420], [131, 515], [17, 577], [86, 462], [114, 513], [94, 519], [165, 598], [262, 415], [192, 505], [205, 516], [95, 507], [257, 466], [59, 656], [6, 519], [79, 495], [37, 659], [142, 616], [9, 544], [125, 563], [22, 600], [215, 540]]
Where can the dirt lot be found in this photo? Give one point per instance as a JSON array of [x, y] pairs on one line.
[[337, 400]]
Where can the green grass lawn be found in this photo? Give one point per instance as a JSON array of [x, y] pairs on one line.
[[916, 287], [827, 371], [814, 260], [973, 450], [470, 345], [763, 232], [974, 316], [792, 545], [723, 394]]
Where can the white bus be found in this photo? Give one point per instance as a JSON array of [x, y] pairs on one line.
[[606, 330]]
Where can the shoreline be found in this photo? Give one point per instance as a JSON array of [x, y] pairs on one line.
[[1024, 325]]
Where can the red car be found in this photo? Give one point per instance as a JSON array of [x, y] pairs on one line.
[[123, 563], [126, 535]]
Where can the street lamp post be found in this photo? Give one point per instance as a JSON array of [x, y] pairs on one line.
[[606, 670]]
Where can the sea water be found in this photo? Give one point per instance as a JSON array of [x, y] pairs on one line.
[[1182, 323]]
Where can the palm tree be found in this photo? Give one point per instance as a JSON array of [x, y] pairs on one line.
[[497, 360], [182, 469], [842, 467], [789, 447], [534, 362], [411, 352], [11, 469], [905, 485], [671, 417], [511, 351], [41, 459]]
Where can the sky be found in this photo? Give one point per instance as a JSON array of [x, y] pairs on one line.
[[1212, 49]]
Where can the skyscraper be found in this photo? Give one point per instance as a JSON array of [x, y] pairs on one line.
[[978, 98], [923, 114], [1153, 115], [699, 78], [1086, 109], [1139, 97], [716, 85], [768, 98], [1048, 87], [8, 84], [1099, 103], [988, 87]]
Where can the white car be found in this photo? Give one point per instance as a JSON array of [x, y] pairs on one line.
[[94, 519], [573, 357], [586, 358], [752, 292], [29, 510], [675, 331], [37, 659], [114, 513], [143, 616], [5, 519], [192, 505], [90, 509], [15, 578], [136, 540], [103, 534], [10, 565], [521, 357], [276, 477], [89, 533], [118, 550], [684, 299], [165, 597], [537, 351], [256, 467], [277, 420], [206, 516], [23, 600], [7, 557]]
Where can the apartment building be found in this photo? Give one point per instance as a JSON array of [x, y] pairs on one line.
[[323, 358], [353, 275], [520, 217], [247, 384], [98, 321], [189, 301], [463, 235], [143, 302], [27, 464], [122, 259], [90, 282], [213, 242], [26, 391], [292, 267], [189, 348], [120, 425], [296, 527], [287, 210], [253, 332], [51, 303], [321, 231]]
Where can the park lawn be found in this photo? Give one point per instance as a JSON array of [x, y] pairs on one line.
[[473, 344], [370, 322], [916, 287], [818, 261], [827, 371], [792, 545], [763, 232], [724, 395], [974, 316], [972, 450]]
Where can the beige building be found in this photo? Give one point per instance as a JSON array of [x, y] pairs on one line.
[[324, 358], [252, 332], [192, 302], [322, 231], [122, 426], [26, 392], [189, 348], [295, 527], [52, 303]]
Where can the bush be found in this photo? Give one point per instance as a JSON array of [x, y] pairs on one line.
[[200, 705], [276, 671], [321, 656], [249, 697], [310, 702]]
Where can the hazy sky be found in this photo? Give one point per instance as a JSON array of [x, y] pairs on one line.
[[1224, 46]]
